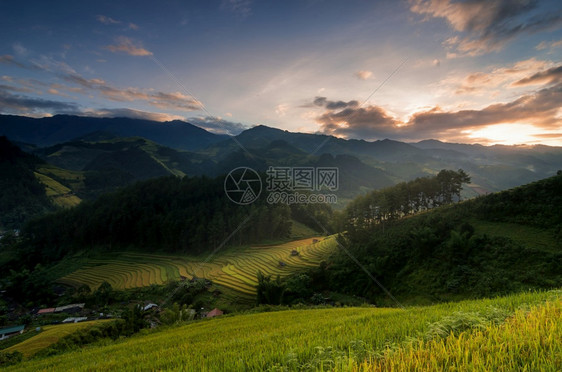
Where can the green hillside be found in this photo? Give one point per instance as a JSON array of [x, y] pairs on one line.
[[343, 339]]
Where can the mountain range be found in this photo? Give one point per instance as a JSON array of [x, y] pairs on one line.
[[85, 157]]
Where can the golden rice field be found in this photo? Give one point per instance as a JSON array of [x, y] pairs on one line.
[[340, 339], [48, 336], [529, 341], [235, 270]]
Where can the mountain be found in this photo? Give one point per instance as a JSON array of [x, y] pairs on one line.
[[259, 136], [354, 175], [62, 128], [107, 161], [492, 168], [497, 167]]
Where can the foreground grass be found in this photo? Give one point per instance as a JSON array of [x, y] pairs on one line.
[[530, 340], [320, 339]]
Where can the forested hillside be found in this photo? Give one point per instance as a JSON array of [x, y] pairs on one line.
[[188, 215], [494, 244], [21, 194]]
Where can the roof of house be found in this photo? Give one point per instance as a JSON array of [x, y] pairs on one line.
[[149, 306], [5, 331], [214, 312], [46, 311], [75, 319], [66, 307]]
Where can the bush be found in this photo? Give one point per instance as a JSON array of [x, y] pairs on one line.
[[8, 359]]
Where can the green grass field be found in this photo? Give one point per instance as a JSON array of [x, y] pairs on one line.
[[48, 336], [526, 337], [235, 269]]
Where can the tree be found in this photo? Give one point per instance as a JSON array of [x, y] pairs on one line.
[[134, 320], [269, 291], [103, 294]]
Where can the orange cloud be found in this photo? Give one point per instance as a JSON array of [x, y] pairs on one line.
[[487, 24], [363, 75], [126, 45], [550, 76], [539, 110]]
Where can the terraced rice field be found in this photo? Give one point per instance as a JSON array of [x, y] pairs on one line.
[[49, 335], [235, 270]]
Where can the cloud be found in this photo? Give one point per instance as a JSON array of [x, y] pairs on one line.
[[128, 113], [50, 64], [18, 104], [110, 21], [218, 125], [436, 63], [368, 123], [29, 106], [549, 45], [107, 20], [482, 82], [126, 45], [6, 88], [363, 74], [550, 76], [19, 49], [539, 109], [333, 105], [163, 100], [9, 60], [242, 8], [281, 109], [175, 100], [80, 84], [486, 25]]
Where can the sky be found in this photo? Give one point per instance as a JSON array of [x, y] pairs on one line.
[[477, 71]]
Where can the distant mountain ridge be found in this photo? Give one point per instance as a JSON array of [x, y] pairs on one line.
[[366, 164], [49, 131]]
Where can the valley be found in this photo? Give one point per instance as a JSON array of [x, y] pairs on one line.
[[414, 259]]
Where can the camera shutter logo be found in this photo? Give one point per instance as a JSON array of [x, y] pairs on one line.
[[242, 185]]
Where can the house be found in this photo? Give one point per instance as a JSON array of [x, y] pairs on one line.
[[294, 252], [11, 331], [214, 312], [314, 241], [281, 263]]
